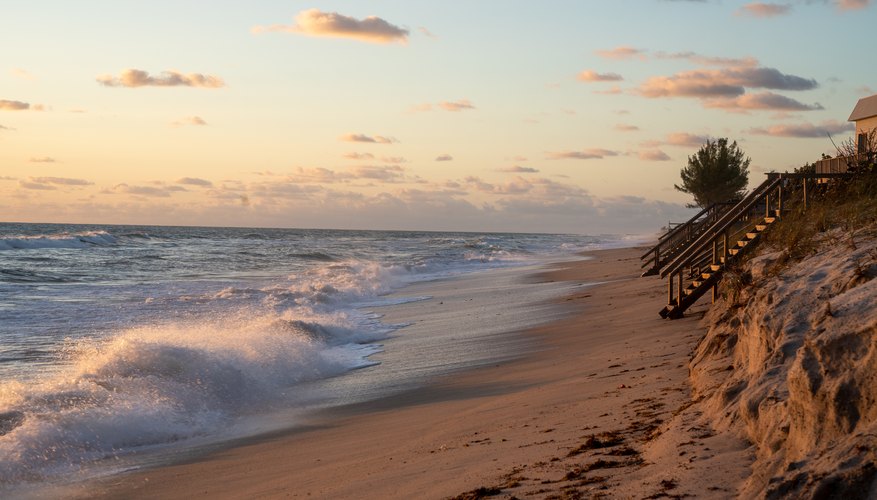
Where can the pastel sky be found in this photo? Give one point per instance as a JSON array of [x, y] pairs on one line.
[[551, 116]]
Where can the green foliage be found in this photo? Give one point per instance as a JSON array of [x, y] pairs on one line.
[[718, 172], [807, 168]]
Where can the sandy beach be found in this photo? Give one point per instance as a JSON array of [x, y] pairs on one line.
[[603, 408]]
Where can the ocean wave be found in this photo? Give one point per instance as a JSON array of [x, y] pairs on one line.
[[161, 384], [63, 240]]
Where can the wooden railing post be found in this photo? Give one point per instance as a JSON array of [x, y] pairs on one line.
[[679, 289], [805, 193], [670, 289], [780, 195], [767, 205]]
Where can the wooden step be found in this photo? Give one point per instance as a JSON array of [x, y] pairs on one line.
[[734, 251], [760, 227], [716, 267], [770, 220], [752, 236], [742, 243]]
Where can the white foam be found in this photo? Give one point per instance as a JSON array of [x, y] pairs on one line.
[[161, 384], [63, 240]]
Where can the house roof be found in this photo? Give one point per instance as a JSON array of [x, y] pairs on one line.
[[865, 108]]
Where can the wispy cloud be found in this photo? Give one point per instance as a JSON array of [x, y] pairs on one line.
[[42, 159], [805, 130], [313, 22], [426, 32], [592, 76], [195, 181], [685, 139], [654, 155], [52, 183], [157, 191], [587, 154], [377, 139], [190, 120], [517, 169], [454, 106], [615, 90], [852, 4], [763, 10], [444, 158], [359, 156], [703, 60], [761, 101], [133, 78], [622, 52], [7, 105], [624, 127], [22, 74]]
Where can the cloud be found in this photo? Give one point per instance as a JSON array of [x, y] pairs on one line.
[[5, 128], [455, 106], [52, 183], [805, 130], [444, 158], [761, 101], [21, 73], [615, 90], [426, 32], [133, 78], [593, 76], [726, 88], [762, 10], [41, 159], [588, 154], [654, 155], [385, 174], [313, 22], [190, 120], [61, 181], [378, 139], [729, 82], [517, 169], [852, 4], [686, 140], [696, 58], [359, 156], [36, 186], [195, 181], [158, 191], [622, 52], [6, 105], [623, 127], [395, 160]]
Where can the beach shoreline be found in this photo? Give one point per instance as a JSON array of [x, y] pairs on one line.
[[524, 427]]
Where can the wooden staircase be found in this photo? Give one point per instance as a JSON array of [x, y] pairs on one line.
[[696, 264], [675, 240], [708, 279]]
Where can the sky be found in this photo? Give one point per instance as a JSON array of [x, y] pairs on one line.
[[566, 116]]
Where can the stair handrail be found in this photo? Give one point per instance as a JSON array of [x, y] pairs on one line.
[[669, 234], [722, 224]]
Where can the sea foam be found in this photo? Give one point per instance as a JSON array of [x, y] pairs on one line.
[[160, 384], [64, 240]]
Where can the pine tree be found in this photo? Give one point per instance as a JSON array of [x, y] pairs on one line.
[[718, 172]]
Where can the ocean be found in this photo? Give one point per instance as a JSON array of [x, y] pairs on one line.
[[116, 341]]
